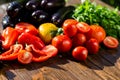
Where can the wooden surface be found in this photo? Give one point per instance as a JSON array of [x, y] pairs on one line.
[[103, 66]]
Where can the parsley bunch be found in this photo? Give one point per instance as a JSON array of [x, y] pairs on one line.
[[96, 14]]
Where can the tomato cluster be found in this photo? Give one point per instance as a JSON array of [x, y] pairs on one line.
[[82, 39]]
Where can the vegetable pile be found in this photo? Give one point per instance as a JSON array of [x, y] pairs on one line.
[[96, 14], [39, 39]]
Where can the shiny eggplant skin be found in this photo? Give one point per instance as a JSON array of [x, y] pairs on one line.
[[52, 5], [59, 17]]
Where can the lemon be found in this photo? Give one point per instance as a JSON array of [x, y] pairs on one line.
[[47, 31]]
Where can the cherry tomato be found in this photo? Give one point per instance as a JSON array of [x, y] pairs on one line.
[[80, 53], [69, 27], [96, 32], [92, 45], [111, 42], [83, 27], [25, 57], [62, 42], [78, 40]]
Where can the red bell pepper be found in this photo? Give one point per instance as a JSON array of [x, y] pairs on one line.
[[27, 38], [10, 36], [12, 53], [44, 54], [26, 27], [25, 57]]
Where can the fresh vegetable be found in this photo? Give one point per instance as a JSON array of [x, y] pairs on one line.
[[59, 17], [92, 46], [69, 27], [52, 5], [32, 5], [62, 42], [25, 57], [26, 27], [35, 12], [111, 42], [96, 14], [27, 38], [44, 54], [10, 36], [12, 53], [96, 32], [47, 31], [40, 16], [78, 40], [83, 27], [80, 53], [6, 21], [14, 8]]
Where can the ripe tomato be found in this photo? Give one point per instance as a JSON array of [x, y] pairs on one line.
[[69, 27], [96, 32], [80, 53], [111, 42], [62, 42], [83, 27], [25, 57], [92, 45], [78, 40]]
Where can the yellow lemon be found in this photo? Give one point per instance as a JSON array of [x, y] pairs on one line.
[[47, 31]]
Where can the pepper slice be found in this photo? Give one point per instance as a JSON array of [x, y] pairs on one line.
[[25, 57], [12, 53], [44, 54], [27, 38], [10, 36]]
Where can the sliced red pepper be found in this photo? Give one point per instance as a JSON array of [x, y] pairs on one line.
[[44, 54], [27, 38], [10, 36], [12, 53], [25, 57], [26, 27]]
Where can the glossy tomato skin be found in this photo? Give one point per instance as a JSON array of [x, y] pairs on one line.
[[83, 27], [69, 27], [62, 42], [111, 42], [80, 53], [92, 46], [96, 32], [78, 40]]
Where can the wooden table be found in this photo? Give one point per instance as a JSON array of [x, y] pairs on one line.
[[103, 66]]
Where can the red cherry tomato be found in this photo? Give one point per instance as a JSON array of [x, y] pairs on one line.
[[69, 27], [83, 27], [80, 53], [111, 42], [62, 42], [25, 57], [96, 32], [78, 40], [92, 45]]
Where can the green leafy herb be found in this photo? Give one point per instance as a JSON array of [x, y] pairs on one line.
[[96, 14]]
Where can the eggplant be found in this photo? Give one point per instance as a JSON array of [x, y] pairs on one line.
[[59, 17], [52, 5]]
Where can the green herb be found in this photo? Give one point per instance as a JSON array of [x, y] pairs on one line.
[[96, 14]]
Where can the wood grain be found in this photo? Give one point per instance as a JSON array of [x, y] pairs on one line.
[[103, 66]]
